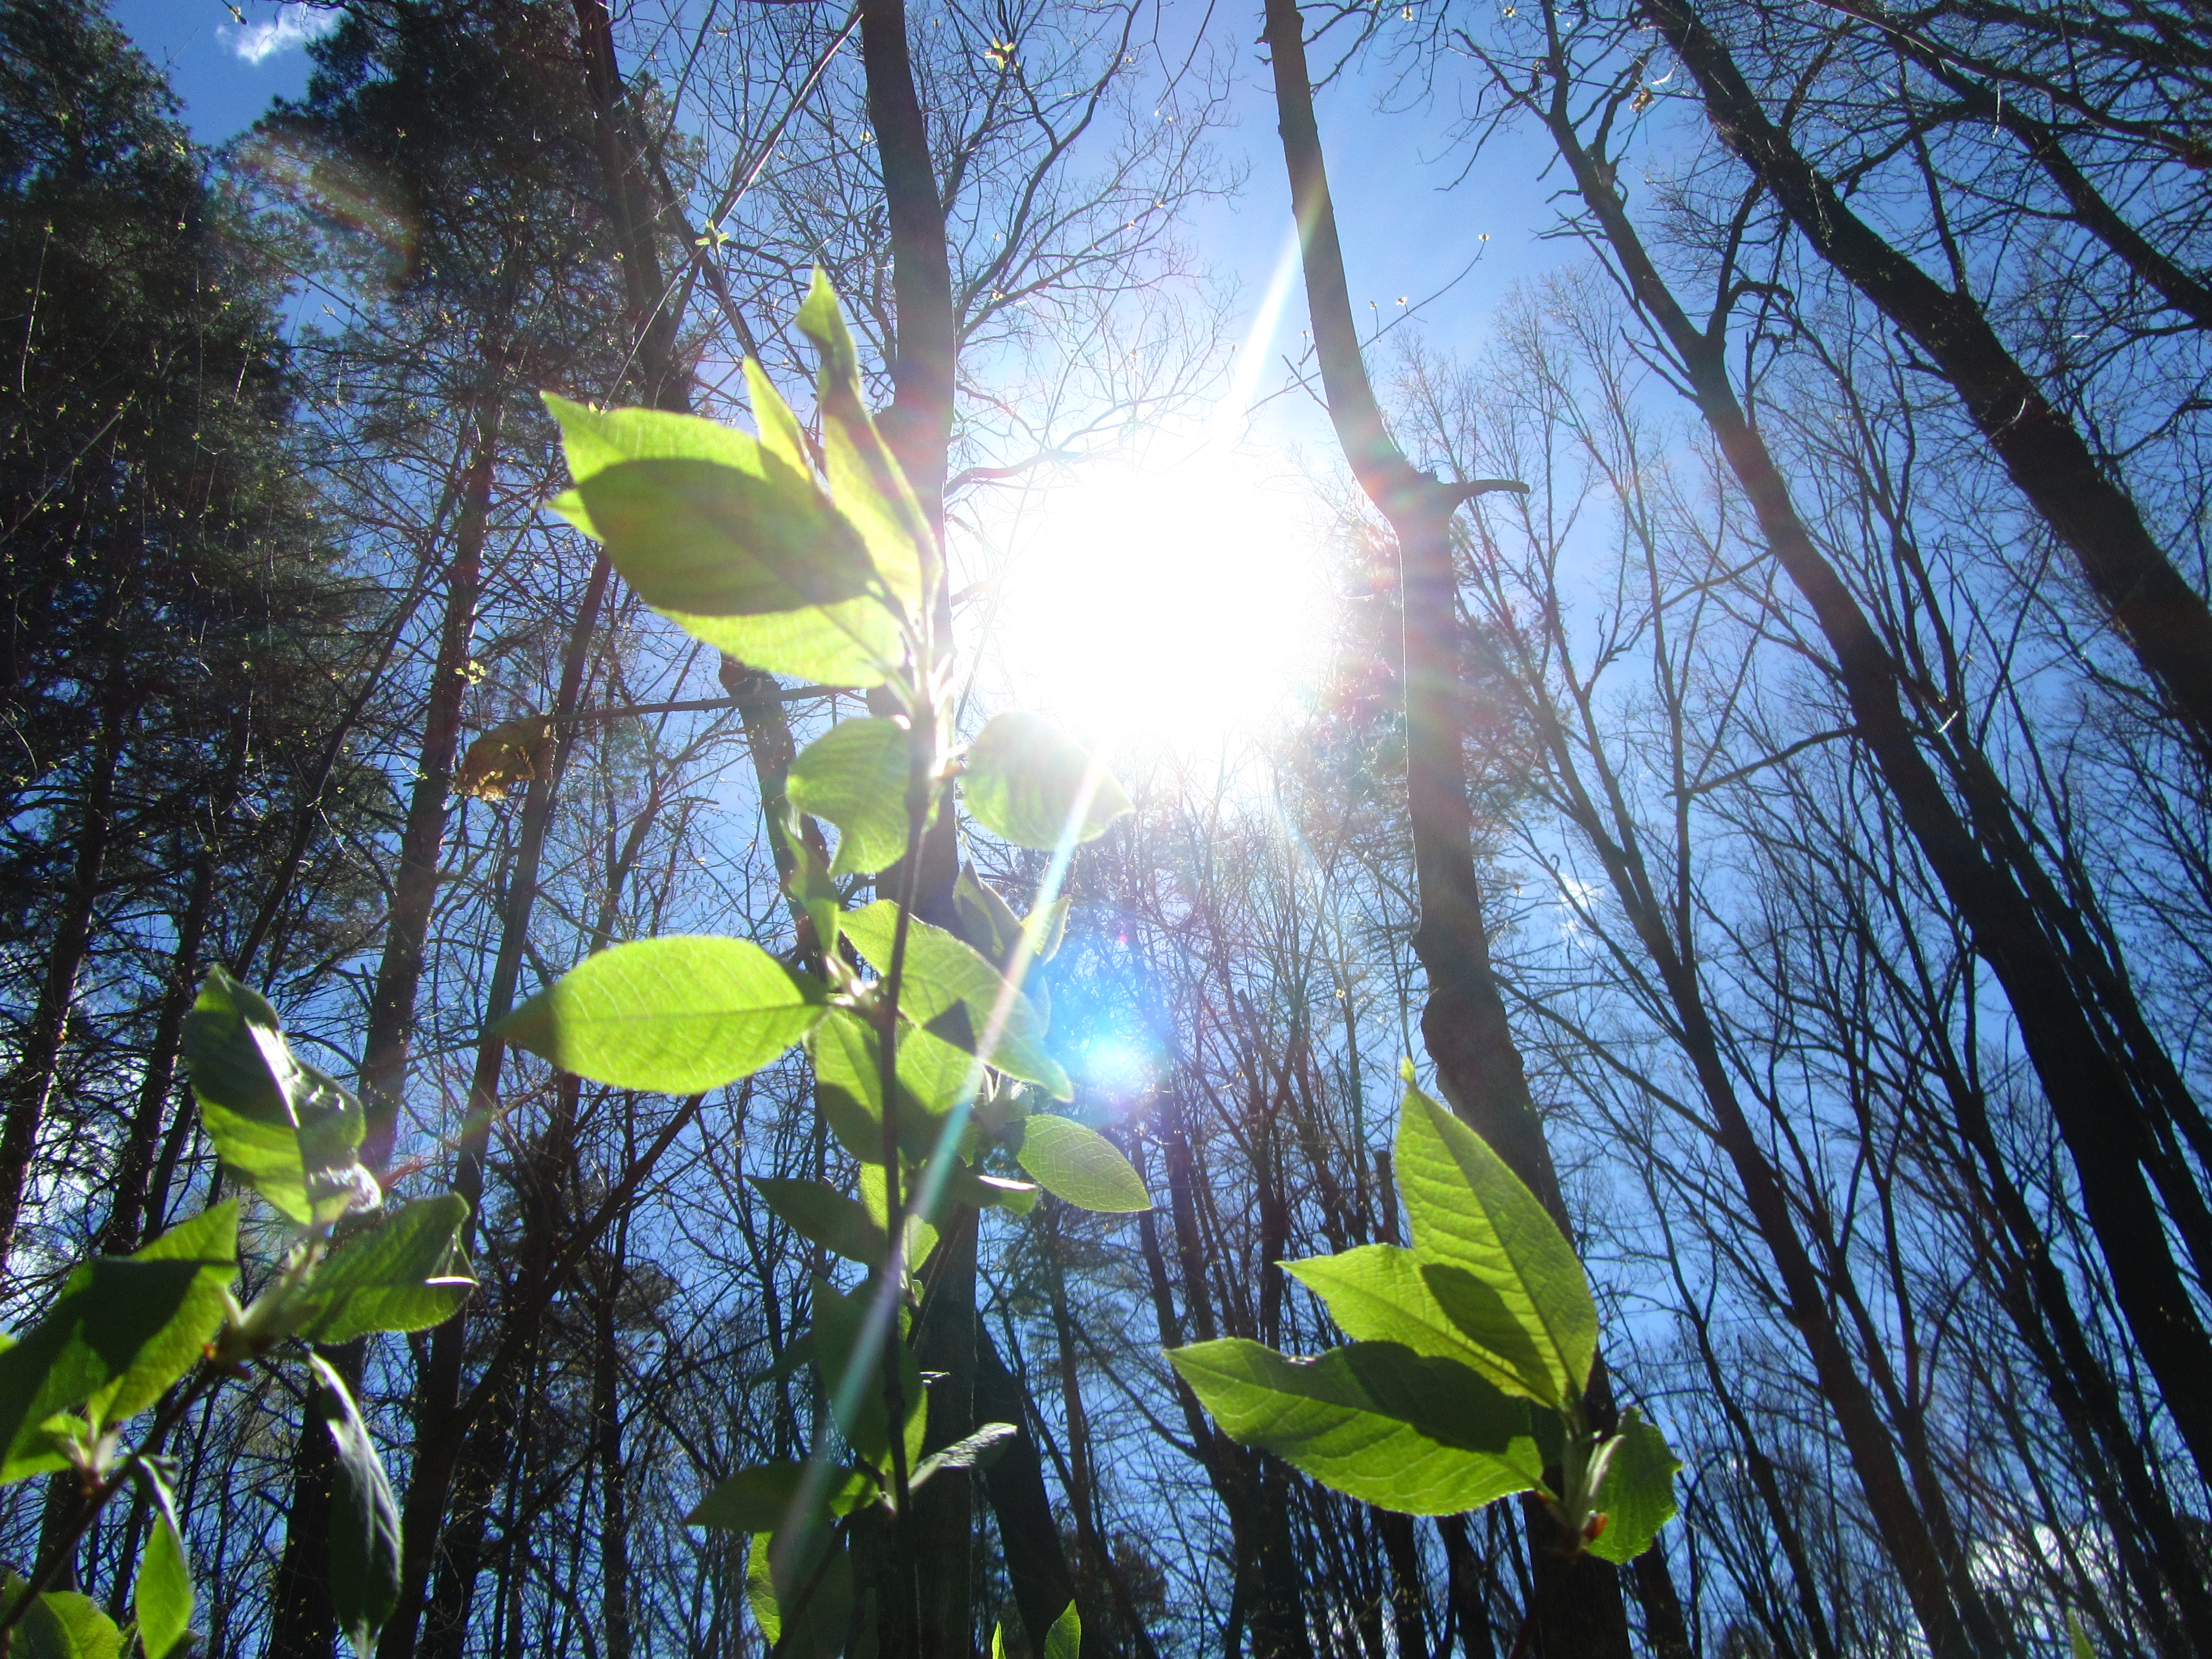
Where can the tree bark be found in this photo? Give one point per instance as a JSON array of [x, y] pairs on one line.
[[1579, 1608], [30, 1086]]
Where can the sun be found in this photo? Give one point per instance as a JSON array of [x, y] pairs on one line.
[[1165, 606]]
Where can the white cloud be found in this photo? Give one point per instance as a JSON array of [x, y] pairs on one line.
[[294, 25]]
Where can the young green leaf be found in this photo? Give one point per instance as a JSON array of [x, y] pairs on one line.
[[406, 1273], [123, 1330], [986, 922], [2077, 1639], [1065, 1639], [364, 1517], [161, 1597], [934, 1079], [854, 776], [759, 1499], [955, 994], [977, 1451], [1026, 781], [829, 1218], [60, 1624], [781, 434], [920, 1235], [677, 1015], [1376, 1293], [812, 1598], [594, 439], [1374, 1420], [285, 1128], [760, 1589], [865, 478], [856, 642], [721, 541], [1079, 1166], [1510, 1280], [1638, 1493], [855, 1388]]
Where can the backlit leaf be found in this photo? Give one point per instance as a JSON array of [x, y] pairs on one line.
[[679, 1014], [829, 1218], [1065, 1639], [855, 642], [934, 1079], [161, 1596], [854, 1377], [364, 1522], [953, 992], [1374, 1420], [716, 540], [1512, 1284], [1376, 1293], [285, 1128], [406, 1273], [759, 1499], [123, 1330], [1079, 1166], [1028, 782], [60, 1624], [1638, 1493], [854, 776]]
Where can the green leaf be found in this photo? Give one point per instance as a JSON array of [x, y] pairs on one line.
[[1374, 1420], [829, 1218], [986, 922], [760, 1589], [856, 642], [1026, 781], [1513, 1286], [1376, 1293], [1638, 1493], [713, 540], [123, 1330], [364, 1519], [594, 439], [864, 477], [977, 1451], [934, 1079], [781, 434], [2077, 1639], [407, 1273], [1047, 928], [921, 1237], [285, 1128], [805, 1625], [856, 1395], [60, 1624], [1080, 1166], [161, 1597], [856, 776], [677, 1015], [1065, 1639], [760, 1499], [955, 994]]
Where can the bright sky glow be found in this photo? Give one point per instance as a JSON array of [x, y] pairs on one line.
[[1176, 599], [1165, 605]]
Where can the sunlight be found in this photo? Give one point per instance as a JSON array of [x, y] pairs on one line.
[[1167, 606]]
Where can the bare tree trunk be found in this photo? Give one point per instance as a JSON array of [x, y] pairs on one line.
[[303, 1623], [1579, 1609], [30, 1087]]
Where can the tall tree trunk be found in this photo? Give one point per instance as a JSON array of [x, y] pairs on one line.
[[31, 1085], [2165, 619], [1579, 1610], [303, 1623]]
